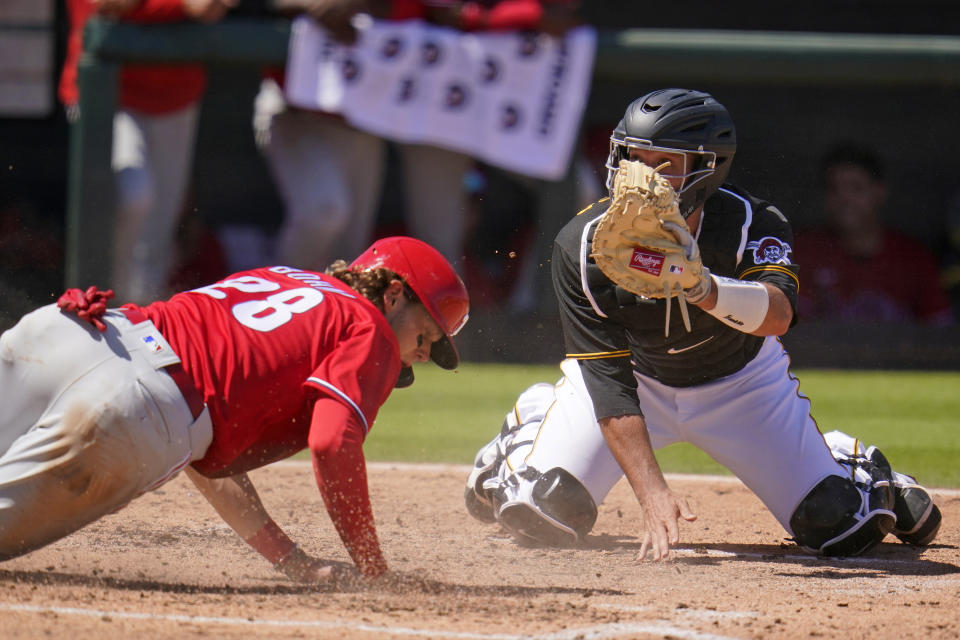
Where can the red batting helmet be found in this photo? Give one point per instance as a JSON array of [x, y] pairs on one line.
[[431, 277]]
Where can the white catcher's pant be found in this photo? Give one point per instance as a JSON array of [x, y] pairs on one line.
[[756, 423], [88, 422]]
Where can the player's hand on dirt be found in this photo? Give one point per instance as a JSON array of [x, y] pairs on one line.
[[208, 10], [301, 567], [660, 514]]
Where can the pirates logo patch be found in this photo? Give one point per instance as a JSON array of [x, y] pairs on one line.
[[770, 250]]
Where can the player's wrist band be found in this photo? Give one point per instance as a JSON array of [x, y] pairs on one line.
[[272, 543], [741, 304]]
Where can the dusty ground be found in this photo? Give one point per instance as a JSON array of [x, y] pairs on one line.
[[166, 567]]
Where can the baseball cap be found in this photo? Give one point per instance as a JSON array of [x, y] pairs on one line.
[[437, 285]]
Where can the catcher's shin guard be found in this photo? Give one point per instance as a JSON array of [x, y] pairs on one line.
[[553, 508], [842, 518]]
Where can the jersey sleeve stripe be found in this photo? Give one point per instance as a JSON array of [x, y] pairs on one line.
[[747, 221], [584, 246], [623, 353], [340, 394], [771, 267]]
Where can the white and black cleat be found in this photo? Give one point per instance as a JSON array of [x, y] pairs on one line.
[[918, 518]]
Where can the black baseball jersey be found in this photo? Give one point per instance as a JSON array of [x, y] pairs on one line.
[[612, 332]]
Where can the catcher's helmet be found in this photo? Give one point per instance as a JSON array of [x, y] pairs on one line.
[[434, 281], [679, 121]]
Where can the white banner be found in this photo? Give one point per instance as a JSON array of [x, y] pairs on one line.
[[512, 99]]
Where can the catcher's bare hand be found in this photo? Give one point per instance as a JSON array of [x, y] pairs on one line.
[[660, 514]]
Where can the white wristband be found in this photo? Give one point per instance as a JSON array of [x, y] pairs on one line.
[[741, 304]]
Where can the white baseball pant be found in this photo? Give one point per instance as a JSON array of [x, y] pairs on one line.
[[89, 422], [756, 423]]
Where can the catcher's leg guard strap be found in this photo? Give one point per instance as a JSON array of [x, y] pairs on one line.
[[839, 519], [553, 508]]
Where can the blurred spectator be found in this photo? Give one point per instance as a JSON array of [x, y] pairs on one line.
[[330, 174], [857, 269], [153, 136]]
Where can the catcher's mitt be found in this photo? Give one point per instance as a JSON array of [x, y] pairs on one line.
[[642, 242]]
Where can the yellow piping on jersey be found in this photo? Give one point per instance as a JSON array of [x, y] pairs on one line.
[[772, 267], [604, 199], [599, 355]]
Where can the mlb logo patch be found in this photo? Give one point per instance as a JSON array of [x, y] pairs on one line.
[[647, 261], [676, 268], [152, 344]]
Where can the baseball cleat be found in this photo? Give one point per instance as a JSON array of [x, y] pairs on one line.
[[918, 518]]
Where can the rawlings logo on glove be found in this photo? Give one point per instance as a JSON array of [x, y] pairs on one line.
[[642, 242]]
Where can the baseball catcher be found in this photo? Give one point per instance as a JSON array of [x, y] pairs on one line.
[[673, 226]]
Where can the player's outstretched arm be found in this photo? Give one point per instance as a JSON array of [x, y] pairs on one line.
[[629, 442], [336, 446], [239, 504]]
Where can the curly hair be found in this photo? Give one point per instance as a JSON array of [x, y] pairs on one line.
[[370, 283]]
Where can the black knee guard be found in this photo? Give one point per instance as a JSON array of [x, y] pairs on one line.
[[552, 508], [838, 518]]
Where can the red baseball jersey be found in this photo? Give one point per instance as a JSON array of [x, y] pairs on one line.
[[288, 359], [262, 345]]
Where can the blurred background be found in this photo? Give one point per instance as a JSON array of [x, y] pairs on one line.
[[906, 113]]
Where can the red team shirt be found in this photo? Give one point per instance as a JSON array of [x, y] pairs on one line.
[[289, 359]]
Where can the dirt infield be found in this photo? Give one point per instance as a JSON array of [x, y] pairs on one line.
[[167, 567]]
